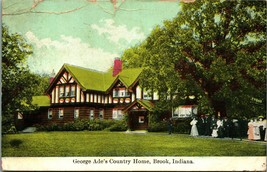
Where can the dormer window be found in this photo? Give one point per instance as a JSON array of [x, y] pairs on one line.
[[120, 92], [115, 92]]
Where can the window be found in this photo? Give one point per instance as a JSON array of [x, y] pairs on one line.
[[61, 91], [117, 114], [147, 95], [101, 114], [50, 114], [92, 114], [141, 119], [67, 91], [116, 93], [76, 113], [60, 113], [120, 92], [72, 91], [20, 115]]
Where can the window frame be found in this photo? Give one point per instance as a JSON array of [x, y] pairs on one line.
[[60, 115], [76, 113], [48, 113], [99, 113]]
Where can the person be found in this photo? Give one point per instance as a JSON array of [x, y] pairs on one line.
[[201, 125], [194, 131], [256, 129], [213, 127], [261, 128], [250, 130], [264, 126], [235, 129], [170, 126], [207, 126], [226, 127], [220, 128]]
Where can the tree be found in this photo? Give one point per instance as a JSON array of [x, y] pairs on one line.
[[213, 50], [18, 83], [32, 8]]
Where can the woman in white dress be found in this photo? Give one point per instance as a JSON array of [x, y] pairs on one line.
[[219, 128], [194, 131], [214, 132]]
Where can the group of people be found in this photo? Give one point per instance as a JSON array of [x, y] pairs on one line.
[[224, 127], [257, 129]]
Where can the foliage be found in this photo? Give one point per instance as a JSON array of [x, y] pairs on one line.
[[106, 144], [158, 126], [18, 83], [119, 125], [214, 50], [90, 125], [182, 126]]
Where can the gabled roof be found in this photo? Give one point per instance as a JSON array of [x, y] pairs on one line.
[[129, 76], [41, 101], [90, 79], [145, 103], [94, 80]]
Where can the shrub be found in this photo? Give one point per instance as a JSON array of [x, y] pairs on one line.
[[120, 125], [158, 126], [12, 130], [182, 126], [95, 125]]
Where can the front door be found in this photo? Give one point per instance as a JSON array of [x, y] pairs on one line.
[[138, 120]]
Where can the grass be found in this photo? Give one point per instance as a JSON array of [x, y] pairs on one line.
[[85, 143]]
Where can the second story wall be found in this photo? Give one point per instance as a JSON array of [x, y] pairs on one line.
[[66, 90]]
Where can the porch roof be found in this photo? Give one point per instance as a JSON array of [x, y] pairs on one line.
[[41, 101], [145, 103]]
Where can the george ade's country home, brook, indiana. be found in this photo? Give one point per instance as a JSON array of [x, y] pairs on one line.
[[81, 93]]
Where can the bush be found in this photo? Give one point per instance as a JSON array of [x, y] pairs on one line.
[[120, 125], [182, 126], [95, 125], [161, 126], [12, 130]]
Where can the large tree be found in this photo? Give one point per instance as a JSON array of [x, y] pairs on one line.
[[213, 50], [18, 83]]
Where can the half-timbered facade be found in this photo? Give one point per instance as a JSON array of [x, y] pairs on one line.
[[81, 93]]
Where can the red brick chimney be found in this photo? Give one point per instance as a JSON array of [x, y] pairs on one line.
[[117, 68]]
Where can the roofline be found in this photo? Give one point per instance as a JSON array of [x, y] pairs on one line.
[[64, 67], [133, 103], [114, 82], [54, 80], [78, 82]]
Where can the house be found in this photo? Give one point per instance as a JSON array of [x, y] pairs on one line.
[[81, 93]]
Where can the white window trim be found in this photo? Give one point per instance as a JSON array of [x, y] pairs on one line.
[[91, 115], [101, 110], [76, 113], [60, 115], [48, 114]]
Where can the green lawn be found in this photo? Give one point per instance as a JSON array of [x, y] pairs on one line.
[[88, 143]]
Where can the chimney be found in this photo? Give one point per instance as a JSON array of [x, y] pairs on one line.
[[117, 68], [52, 75]]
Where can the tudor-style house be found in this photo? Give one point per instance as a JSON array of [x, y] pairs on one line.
[[81, 93]]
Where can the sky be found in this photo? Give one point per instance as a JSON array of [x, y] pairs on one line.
[[86, 33]]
